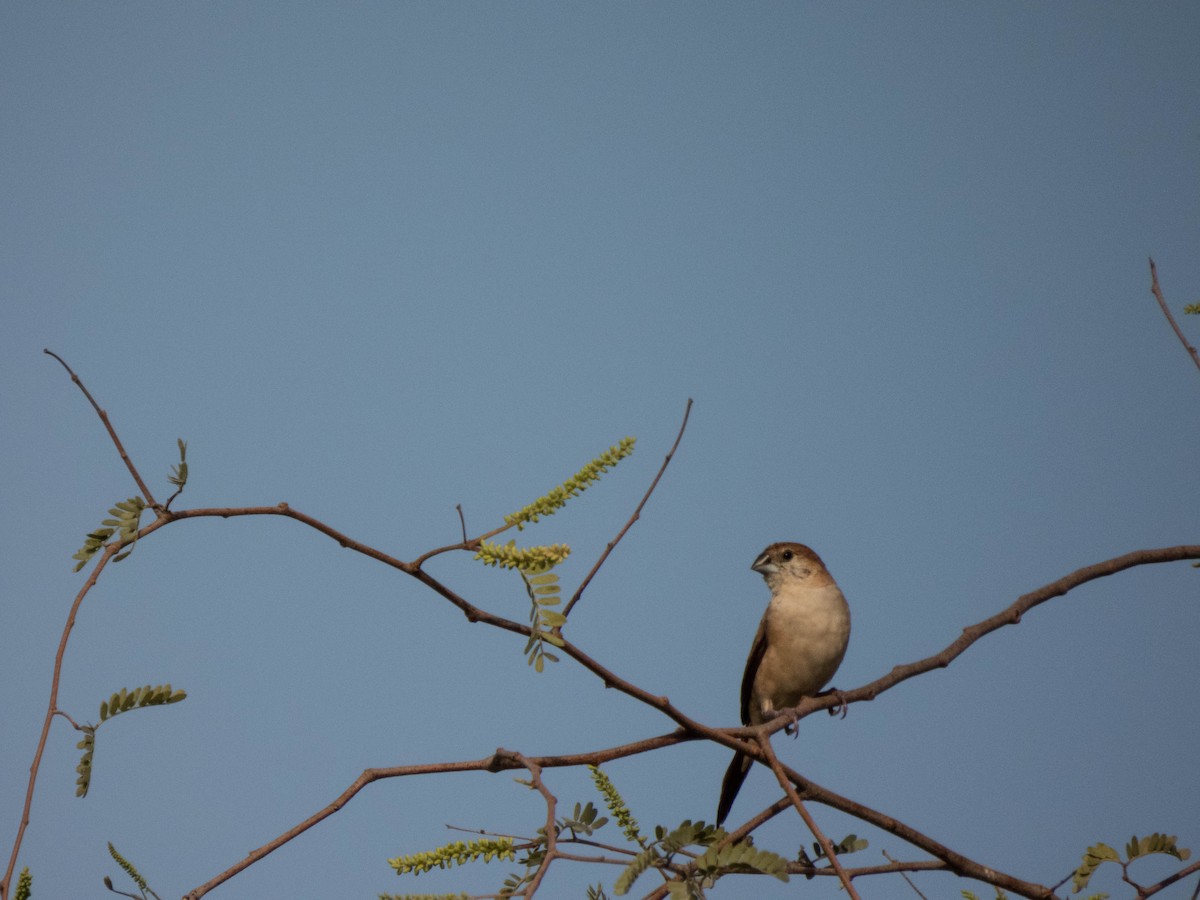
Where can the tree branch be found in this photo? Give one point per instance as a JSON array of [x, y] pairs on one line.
[[51, 709], [830, 853], [146, 495], [637, 514], [535, 772], [1170, 880], [1012, 616], [500, 761], [1166, 310], [753, 741]]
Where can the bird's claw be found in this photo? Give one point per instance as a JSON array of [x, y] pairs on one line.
[[842, 706], [793, 718]]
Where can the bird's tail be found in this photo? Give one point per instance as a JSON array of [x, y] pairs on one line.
[[731, 784]]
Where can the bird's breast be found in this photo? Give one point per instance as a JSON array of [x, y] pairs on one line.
[[807, 635]]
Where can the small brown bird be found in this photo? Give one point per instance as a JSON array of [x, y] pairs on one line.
[[800, 644]]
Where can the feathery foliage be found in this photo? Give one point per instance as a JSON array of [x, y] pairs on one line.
[[583, 820], [88, 746], [179, 471], [121, 701], [131, 870], [667, 844], [742, 856], [125, 700], [1098, 854], [851, 843], [543, 592], [634, 870], [125, 518], [572, 487], [616, 806], [527, 559], [456, 854]]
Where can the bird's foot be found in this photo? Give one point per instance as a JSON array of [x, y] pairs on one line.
[[791, 715], [842, 706]]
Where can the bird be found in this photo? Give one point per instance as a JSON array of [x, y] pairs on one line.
[[800, 643]]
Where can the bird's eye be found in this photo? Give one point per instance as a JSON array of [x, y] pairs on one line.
[[787, 554]]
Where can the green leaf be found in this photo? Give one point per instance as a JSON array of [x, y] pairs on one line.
[[1095, 856], [1155, 843]]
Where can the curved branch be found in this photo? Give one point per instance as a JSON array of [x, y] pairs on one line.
[[637, 514], [1010, 616], [784, 782], [1170, 880], [1166, 310], [500, 761], [535, 772], [955, 862], [149, 497], [51, 710]]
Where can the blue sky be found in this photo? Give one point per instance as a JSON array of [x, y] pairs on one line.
[[376, 260]]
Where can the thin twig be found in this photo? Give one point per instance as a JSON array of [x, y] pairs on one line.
[[1170, 880], [830, 854], [1157, 292], [146, 495], [912, 884], [492, 763], [637, 514], [74, 724], [51, 709], [1009, 616], [535, 772], [526, 842]]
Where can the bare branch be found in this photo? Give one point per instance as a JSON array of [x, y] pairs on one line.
[[765, 743], [1170, 880], [51, 709], [1166, 310], [146, 495], [954, 861], [1012, 616], [904, 875], [535, 772], [637, 514], [501, 761]]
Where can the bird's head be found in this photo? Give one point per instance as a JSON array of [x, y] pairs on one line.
[[788, 562]]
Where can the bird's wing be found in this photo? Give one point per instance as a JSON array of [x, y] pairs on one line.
[[757, 651]]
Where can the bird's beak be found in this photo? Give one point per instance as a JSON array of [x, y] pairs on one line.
[[764, 566]]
